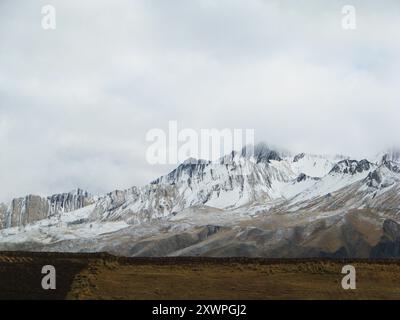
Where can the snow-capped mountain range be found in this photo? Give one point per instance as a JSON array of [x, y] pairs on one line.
[[264, 203]]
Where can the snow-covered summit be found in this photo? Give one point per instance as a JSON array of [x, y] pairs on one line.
[[249, 177], [262, 198]]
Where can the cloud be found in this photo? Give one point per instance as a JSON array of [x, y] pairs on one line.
[[76, 102]]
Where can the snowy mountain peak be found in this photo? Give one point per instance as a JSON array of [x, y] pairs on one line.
[[236, 180], [351, 167], [262, 153], [312, 165], [267, 198]]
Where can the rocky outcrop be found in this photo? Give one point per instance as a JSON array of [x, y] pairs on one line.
[[374, 179], [303, 177], [298, 157], [389, 244], [351, 166]]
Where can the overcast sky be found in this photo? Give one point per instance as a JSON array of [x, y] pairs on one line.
[[76, 102]]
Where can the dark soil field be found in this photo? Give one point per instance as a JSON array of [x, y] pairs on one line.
[[102, 276]]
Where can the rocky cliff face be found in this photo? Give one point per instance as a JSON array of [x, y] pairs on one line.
[[66, 202], [25, 210]]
